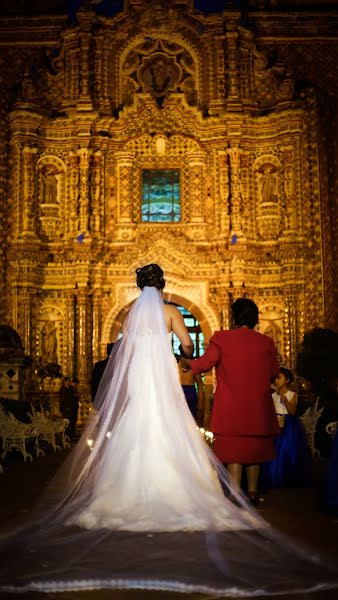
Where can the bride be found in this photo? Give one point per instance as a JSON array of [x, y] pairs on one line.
[[155, 473], [142, 502]]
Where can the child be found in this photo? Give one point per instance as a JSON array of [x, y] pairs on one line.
[[194, 398], [291, 466]]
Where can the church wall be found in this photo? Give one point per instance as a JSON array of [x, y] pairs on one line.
[[255, 148]]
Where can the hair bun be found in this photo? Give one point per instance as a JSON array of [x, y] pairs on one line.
[[150, 276]]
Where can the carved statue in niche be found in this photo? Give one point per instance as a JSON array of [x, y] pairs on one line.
[[268, 183], [49, 184], [274, 331], [159, 73], [158, 66], [49, 342], [30, 88]]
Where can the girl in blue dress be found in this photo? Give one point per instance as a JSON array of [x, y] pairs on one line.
[[292, 464]]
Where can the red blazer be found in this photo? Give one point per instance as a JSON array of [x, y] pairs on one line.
[[246, 365]]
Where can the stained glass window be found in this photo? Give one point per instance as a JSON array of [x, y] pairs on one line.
[[161, 196]]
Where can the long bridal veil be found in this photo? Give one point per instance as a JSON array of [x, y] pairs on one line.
[[142, 502]]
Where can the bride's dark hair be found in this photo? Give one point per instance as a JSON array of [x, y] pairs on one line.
[[150, 276]]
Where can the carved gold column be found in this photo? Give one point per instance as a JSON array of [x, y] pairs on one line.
[[72, 217], [84, 154], [70, 333], [98, 52], [25, 318], [21, 309], [246, 79], [217, 103], [97, 300], [96, 188], [291, 326], [235, 191], [72, 68], [15, 194], [289, 203], [83, 352], [224, 191], [233, 294], [29, 204], [125, 162], [223, 299], [233, 97], [85, 101], [196, 164], [100, 73]]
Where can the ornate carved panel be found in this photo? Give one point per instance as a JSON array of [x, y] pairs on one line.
[[158, 67], [163, 87]]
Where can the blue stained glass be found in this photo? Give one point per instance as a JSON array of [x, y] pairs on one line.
[[161, 201]]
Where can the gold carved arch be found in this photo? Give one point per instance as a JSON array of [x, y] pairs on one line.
[[187, 291], [186, 295], [159, 63], [169, 297]]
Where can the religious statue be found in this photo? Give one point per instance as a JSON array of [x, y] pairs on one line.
[[159, 74], [269, 184], [49, 342], [30, 86], [273, 331], [49, 185]]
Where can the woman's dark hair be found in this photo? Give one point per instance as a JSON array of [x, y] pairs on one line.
[[287, 374], [244, 313], [150, 276]]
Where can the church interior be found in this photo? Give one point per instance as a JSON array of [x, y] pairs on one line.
[[200, 135]]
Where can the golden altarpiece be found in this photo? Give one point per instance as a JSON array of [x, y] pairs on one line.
[[157, 87]]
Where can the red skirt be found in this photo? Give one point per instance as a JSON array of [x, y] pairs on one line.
[[244, 450]]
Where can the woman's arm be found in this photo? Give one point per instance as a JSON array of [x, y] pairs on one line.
[[180, 329]]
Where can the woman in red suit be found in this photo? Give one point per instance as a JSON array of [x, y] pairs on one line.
[[243, 416]]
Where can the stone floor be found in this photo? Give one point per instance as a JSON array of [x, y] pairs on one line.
[[292, 511]]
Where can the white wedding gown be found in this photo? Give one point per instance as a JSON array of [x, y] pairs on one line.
[[143, 503], [156, 474]]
